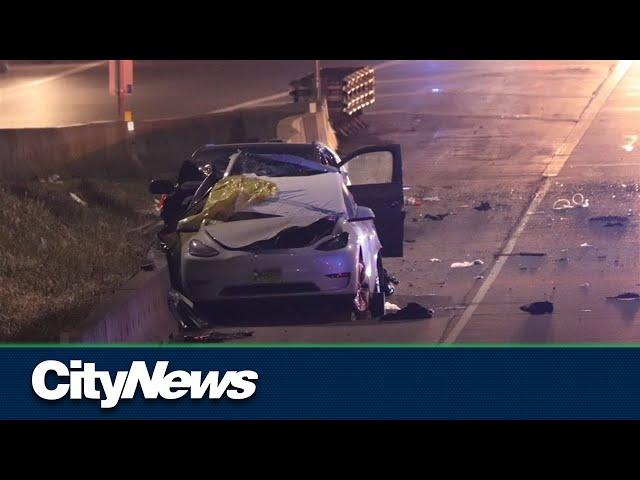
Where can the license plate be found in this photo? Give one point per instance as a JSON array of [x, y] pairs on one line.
[[267, 276]]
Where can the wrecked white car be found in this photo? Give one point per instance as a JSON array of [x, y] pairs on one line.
[[287, 220]]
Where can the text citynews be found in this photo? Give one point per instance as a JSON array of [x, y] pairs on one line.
[[82, 381]]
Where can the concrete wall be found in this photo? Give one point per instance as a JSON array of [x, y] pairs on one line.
[[109, 150]]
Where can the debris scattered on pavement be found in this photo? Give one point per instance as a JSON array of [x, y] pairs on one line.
[[586, 310], [390, 278], [412, 201], [434, 260], [466, 264], [411, 312], [217, 337], [479, 277], [391, 307], [610, 220], [431, 199], [561, 259], [602, 257], [522, 267], [585, 285], [625, 296], [521, 254], [586, 245], [484, 206], [577, 200], [55, 178], [148, 266], [77, 199], [455, 307], [538, 308], [437, 217]]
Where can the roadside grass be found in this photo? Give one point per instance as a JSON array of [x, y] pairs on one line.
[[59, 258]]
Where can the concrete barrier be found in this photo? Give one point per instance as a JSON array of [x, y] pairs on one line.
[[108, 150], [136, 312], [308, 127]]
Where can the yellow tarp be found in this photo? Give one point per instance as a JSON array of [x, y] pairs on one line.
[[230, 195]]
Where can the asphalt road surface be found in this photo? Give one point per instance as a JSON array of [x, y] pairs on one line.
[[65, 93], [519, 135]]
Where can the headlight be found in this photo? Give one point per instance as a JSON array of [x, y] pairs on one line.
[[335, 243], [199, 249]]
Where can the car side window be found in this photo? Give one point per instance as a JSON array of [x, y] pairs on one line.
[[370, 168]]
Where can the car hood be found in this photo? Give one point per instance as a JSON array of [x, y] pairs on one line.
[[240, 234]]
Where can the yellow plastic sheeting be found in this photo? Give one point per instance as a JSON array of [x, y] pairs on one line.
[[232, 194]]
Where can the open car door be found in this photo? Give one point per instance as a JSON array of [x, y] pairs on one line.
[[375, 174]]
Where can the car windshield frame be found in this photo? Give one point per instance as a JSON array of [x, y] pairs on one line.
[[213, 177]]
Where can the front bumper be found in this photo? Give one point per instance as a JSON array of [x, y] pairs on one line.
[[240, 274]]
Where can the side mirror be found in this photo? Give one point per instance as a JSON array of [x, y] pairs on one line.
[[362, 214], [187, 227], [158, 187]]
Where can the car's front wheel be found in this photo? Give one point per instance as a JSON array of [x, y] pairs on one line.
[[362, 299]]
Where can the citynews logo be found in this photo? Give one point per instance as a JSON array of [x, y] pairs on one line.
[[82, 381]]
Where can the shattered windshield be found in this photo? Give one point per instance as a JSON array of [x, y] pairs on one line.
[[274, 165]]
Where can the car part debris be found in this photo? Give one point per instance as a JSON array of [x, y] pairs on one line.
[[391, 307], [466, 264], [434, 260], [479, 277], [521, 254], [437, 217], [585, 285], [610, 220], [586, 245], [483, 207], [148, 266], [538, 308], [431, 199], [217, 337], [626, 296], [561, 259], [411, 312], [55, 178], [412, 201], [577, 200], [77, 199], [390, 278], [182, 310]]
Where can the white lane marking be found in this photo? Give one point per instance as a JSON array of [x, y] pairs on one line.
[[576, 134], [250, 103], [553, 168], [51, 78], [285, 94]]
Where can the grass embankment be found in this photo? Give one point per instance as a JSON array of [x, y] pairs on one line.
[[58, 258]]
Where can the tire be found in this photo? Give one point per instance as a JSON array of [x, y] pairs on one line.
[[362, 299]]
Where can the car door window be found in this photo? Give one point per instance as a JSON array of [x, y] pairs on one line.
[[370, 168]]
